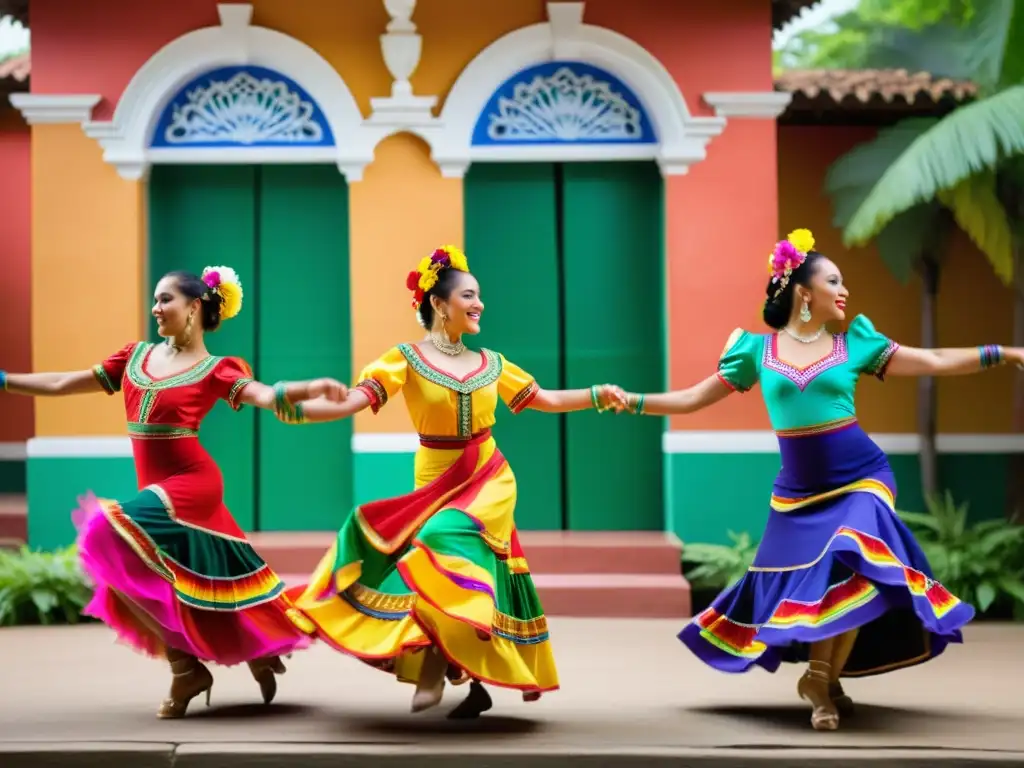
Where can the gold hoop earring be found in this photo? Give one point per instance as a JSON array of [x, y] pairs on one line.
[[187, 335]]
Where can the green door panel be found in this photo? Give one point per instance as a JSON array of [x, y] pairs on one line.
[[303, 332], [202, 216], [511, 242], [614, 310]]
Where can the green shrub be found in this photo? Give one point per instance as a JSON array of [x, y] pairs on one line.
[[42, 587], [719, 565], [981, 563]]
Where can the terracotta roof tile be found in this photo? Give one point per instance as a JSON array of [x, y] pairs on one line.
[[17, 67], [850, 86]]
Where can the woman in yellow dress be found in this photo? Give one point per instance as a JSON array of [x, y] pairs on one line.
[[433, 585]]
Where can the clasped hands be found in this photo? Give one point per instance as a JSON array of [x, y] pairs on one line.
[[614, 398]]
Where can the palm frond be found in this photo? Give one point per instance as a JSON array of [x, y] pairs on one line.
[[851, 178], [970, 140], [978, 211]]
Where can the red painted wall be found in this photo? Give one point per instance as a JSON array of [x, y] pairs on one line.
[[97, 46], [16, 413]]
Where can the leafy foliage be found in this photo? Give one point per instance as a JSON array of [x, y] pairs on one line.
[[719, 565], [853, 176], [978, 563], [853, 39], [42, 587], [972, 140]]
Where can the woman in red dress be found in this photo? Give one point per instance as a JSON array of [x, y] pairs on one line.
[[174, 575]]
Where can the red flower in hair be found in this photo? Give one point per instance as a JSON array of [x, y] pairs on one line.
[[412, 282]]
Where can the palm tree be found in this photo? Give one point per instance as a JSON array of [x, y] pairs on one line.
[[908, 185]]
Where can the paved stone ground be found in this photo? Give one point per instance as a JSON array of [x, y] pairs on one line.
[[631, 694]]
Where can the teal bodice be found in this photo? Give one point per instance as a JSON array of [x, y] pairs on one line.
[[823, 392]]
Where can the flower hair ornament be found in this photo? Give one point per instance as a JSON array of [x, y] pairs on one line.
[[424, 277], [787, 257], [224, 282]]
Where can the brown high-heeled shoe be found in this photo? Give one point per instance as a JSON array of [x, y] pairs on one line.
[[842, 700], [265, 671], [190, 679], [813, 687]]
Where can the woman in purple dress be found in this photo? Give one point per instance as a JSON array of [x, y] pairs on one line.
[[838, 579]]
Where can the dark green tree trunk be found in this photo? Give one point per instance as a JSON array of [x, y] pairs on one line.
[[929, 269]]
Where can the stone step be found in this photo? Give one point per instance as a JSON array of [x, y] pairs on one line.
[[548, 552], [13, 519], [601, 595]]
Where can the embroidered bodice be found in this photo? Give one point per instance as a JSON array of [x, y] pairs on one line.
[[442, 405], [820, 393], [171, 406]]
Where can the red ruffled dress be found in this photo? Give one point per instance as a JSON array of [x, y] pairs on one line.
[[171, 567]]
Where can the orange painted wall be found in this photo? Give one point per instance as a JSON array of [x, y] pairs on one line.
[[16, 413], [400, 211], [974, 308], [721, 217], [402, 208], [87, 272]]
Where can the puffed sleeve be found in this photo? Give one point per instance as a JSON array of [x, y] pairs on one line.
[[738, 365], [383, 378], [516, 387], [870, 351], [110, 372], [229, 378]]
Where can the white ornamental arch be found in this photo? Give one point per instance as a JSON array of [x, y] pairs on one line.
[[126, 138], [682, 138]]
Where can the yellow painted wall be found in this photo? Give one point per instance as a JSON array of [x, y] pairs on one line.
[[87, 272]]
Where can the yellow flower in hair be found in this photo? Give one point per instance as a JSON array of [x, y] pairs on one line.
[[802, 240], [456, 257], [231, 294], [428, 275]]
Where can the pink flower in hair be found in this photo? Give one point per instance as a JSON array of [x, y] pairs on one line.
[[785, 258], [212, 278]]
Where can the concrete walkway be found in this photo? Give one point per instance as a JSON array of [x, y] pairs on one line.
[[631, 694]]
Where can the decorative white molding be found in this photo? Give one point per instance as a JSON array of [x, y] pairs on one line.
[[46, 108], [765, 441], [766, 105], [385, 442], [79, 447], [401, 47], [235, 42], [13, 451], [682, 138]]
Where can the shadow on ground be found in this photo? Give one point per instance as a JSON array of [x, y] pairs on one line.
[[866, 718], [438, 725]]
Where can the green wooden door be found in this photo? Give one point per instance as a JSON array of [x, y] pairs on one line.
[[512, 244], [285, 230], [614, 317], [201, 216], [303, 331]]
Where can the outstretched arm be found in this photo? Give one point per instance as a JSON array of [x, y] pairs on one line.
[[263, 396], [690, 400], [600, 398], [913, 361], [50, 384], [322, 409]]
